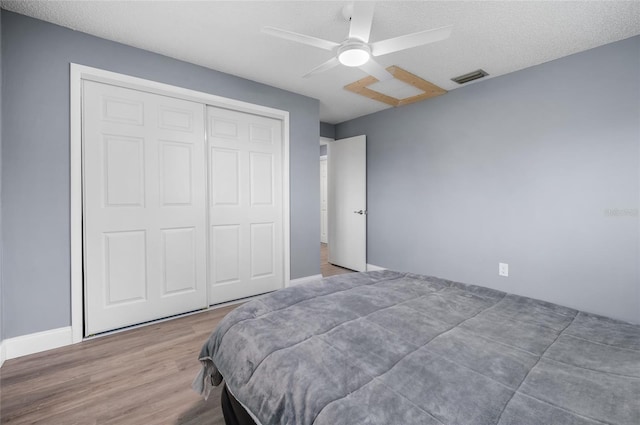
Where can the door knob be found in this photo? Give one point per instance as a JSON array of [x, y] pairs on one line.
[[360, 212]]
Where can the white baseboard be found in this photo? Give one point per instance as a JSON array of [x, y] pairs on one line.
[[1, 353], [372, 268], [37, 342], [298, 281]]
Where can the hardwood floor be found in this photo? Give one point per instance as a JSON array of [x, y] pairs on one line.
[[329, 269], [141, 376]]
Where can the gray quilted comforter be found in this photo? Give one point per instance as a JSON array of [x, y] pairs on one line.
[[396, 348]]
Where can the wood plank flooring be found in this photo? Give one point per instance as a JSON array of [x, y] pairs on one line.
[[141, 376]]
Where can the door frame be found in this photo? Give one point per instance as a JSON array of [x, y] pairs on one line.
[[77, 74], [326, 163], [324, 141]]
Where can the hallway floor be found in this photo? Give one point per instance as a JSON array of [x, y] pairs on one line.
[[329, 269]]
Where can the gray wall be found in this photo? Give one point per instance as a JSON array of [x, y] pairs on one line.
[[35, 160], [327, 130], [520, 169], [1, 308]]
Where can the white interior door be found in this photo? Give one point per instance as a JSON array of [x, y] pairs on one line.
[[347, 178], [245, 204], [144, 206], [324, 226]]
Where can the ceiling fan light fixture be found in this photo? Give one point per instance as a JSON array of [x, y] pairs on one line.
[[356, 50], [354, 55]]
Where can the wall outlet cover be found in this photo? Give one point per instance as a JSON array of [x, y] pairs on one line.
[[503, 269]]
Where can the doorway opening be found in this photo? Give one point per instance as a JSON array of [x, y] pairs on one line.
[[326, 268]]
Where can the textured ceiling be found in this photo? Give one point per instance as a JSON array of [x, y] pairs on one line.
[[499, 37]]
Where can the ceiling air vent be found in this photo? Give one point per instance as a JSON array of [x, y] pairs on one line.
[[462, 79]]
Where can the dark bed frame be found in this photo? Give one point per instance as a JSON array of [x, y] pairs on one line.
[[232, 410]]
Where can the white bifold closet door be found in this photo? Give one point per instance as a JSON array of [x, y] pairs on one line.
[[144, 168], [245, 204]]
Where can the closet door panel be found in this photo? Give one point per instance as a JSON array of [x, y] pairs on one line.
[[246, 204], [144, 190]]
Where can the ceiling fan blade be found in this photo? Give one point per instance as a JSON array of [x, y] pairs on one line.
[[323, 67], [374, 68], [300, 38], [361, 19], [408, 41]]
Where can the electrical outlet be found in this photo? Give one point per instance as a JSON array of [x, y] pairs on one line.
[[503, 269]]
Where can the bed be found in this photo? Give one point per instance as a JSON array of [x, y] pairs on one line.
[[389, 348]]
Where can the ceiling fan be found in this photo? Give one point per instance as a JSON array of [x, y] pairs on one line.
[[356, 51]]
